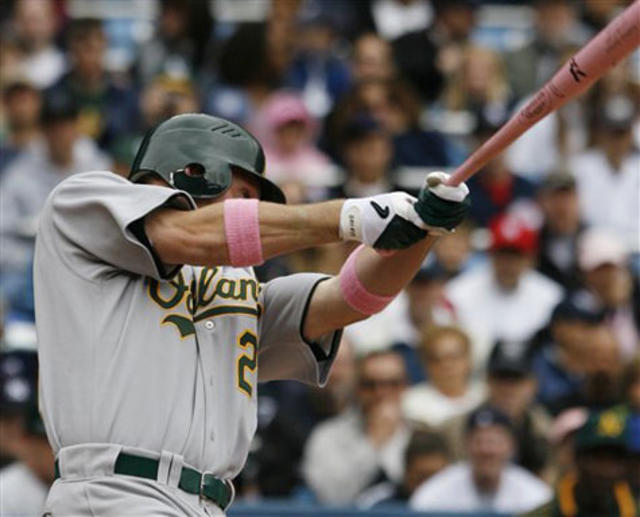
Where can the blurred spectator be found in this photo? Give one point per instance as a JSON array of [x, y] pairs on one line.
[[317, 71], [611, 171], [422, 305], [180, 44], [610, 287], [446, 358], [426, 455], [562, 438], [165, 97], [506, 299], [10, 59], [495, 190], [362, 445], [557, 31], [252, 64], [394, 105], [487, 482], [557, 253], [426, 58], [107, 108], [603, 373], [413, 146], [35, 26], [21, 102], [30, 178], [561, 362], [597, 486], [286, 129], [478, 83], [367, 150], [511, 389], [372, 59], [24, 484]]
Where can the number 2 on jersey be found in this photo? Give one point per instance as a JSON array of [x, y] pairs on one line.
[[248, 341]]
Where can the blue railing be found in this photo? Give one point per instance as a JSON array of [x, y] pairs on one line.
[[293, 509]]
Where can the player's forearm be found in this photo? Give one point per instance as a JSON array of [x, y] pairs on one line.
[[380, 275], [198, 237], [289, 228]]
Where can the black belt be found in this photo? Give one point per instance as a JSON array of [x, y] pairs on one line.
[[191, 481]]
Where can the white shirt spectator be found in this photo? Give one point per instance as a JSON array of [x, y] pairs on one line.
[[424, 404], [45, 67], [610, 198], [453, 490], [25, 186], [488, 313], [340, 462], [21, 493]]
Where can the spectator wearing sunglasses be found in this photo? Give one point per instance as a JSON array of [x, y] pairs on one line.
[[365, 444]]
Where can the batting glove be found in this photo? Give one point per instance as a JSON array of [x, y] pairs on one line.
[[385, 222], [442, 207]]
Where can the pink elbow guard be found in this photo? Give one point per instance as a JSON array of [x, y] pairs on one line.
[[242, 230], [356, 294]]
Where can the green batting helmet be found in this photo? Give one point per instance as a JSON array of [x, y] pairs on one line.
[[195, 152]]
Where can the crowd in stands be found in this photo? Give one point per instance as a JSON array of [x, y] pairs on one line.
[[506, 376]]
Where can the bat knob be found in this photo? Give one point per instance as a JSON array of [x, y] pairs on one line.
[[433, 181]]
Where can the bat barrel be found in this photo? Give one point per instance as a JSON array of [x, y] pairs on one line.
[[605, 50]]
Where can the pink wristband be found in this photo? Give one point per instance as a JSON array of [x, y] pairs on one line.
[[356, 294], [242, 230]]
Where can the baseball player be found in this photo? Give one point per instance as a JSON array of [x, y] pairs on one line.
[[154, 332]]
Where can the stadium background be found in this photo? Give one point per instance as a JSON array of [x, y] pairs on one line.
[[532, 309]]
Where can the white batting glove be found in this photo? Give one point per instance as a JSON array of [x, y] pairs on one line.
[[386, 221]]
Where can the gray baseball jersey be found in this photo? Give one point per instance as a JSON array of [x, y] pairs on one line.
[[134, 353]]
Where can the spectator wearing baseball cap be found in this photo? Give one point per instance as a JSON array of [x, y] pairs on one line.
[[487, 481], [608, 174], [560, 362], [511, 388], [24, 483], [598, 484], [557, 251], [604, 261], [506, 298]]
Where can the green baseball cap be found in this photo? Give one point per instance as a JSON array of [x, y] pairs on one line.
[[606, 428]]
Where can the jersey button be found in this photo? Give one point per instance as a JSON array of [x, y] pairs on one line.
[[209, 325], [212, 436]]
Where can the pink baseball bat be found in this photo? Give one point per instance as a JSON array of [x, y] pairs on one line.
[[605, 50]]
